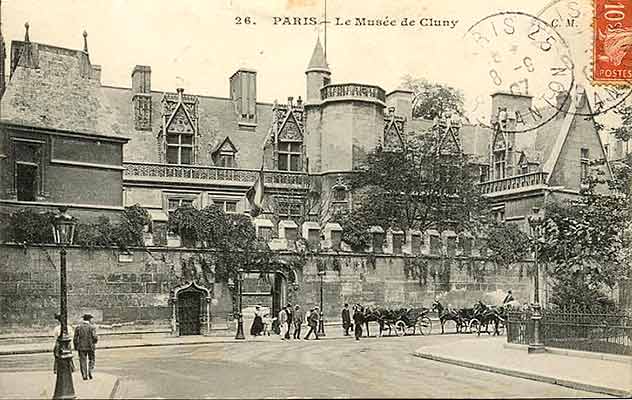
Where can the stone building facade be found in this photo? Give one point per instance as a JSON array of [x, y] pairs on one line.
[[98, 148]]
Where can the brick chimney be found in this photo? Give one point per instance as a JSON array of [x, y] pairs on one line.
[[510, 109], [141, 97], [402, 101]]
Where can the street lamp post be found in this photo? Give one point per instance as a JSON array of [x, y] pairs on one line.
[[240, 318], [321, 322], [535, 221], [63, 233]]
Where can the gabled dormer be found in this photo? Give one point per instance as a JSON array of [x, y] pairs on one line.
[[287, 134], [179, 129], [225, 154]]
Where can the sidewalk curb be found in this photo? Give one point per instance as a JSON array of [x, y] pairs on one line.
[[526, 375], [126, 346], [575, 353]]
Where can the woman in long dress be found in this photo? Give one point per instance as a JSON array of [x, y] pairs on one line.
[[257, 323]]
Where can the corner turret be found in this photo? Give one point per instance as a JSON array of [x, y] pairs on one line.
[[317, 74]]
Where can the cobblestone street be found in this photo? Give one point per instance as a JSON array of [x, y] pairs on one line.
[[382, 367]]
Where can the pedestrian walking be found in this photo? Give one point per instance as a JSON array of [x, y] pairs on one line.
[[257, 323], [57, 348], [283, 323], [358, 320], [346, 319], [290, 316], [298, 318], [85, 339], [312, 321]]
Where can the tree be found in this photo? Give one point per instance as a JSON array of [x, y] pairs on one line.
[[429, 184], [508, 243], [583, 242], [232, 236], [431, 100]]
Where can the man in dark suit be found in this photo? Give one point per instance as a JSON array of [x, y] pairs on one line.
[[85, 339], [346, 319]]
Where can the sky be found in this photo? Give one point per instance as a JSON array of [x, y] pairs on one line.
[[197, 44]]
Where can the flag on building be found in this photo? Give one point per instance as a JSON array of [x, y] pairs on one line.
[[255, 195]]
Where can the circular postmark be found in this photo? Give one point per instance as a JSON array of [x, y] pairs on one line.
[[524, 64], [574, 19]]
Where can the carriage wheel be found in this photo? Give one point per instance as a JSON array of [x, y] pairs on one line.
[[424, 325], [475, 326], [400, 328]]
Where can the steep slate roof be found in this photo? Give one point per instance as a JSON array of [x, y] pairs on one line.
[[57, 95]]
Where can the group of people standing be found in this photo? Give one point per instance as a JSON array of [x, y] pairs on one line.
[[358, 320], [290, 321]]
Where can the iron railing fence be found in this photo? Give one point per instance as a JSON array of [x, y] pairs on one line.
[[585, 331]]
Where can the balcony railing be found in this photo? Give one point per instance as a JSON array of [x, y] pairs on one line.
[[514, 182], [209, 173], [353, 90]]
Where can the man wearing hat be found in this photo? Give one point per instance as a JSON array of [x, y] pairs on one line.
[[290, 316], [312, 321], [85, 339]]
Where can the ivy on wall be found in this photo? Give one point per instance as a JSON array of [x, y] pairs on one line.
[[31, 227]]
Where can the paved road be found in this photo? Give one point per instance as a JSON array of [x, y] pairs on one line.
[[327, 368]]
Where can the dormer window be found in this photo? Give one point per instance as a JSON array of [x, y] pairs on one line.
[[224, 154], [179, 148], [290, 154], [585, 162], [226, 159]]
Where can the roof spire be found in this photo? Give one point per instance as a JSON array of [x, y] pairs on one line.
[[318, 60], [85, 41], [26, 33]]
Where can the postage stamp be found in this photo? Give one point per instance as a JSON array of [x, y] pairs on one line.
[[612, 41]]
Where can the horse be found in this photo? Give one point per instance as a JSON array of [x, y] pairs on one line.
[[486, 314], [372, 315], [446, 315]]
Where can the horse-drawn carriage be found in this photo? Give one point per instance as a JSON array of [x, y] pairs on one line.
[[404, 321], [475, 319]]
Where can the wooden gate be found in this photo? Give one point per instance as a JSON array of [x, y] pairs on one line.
[[189, 304]]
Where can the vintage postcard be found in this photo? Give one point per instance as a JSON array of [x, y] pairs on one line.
[[315, 199]]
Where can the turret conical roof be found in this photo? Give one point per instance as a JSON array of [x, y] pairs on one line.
[[318, 60]]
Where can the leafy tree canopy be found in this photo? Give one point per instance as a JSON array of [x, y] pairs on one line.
[[508, 243], [232, 235], [430, 184], [582, 238], [431, 100]]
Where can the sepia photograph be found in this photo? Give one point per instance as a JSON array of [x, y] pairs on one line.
[[253, 199]]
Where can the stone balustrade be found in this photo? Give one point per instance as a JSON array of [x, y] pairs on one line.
[[138, 170], [352, 90], [514, 182]]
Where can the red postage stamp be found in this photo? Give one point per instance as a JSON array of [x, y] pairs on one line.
[[612, 41]]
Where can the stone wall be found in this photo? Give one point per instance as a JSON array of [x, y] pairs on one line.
[[134, 288], [384, 281]]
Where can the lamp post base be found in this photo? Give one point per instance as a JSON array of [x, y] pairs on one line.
[[64, 387], [240, 329], [536, 348], [321, 328]]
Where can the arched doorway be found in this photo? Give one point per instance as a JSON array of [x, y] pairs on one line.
[[191, 310], [268, 289]]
